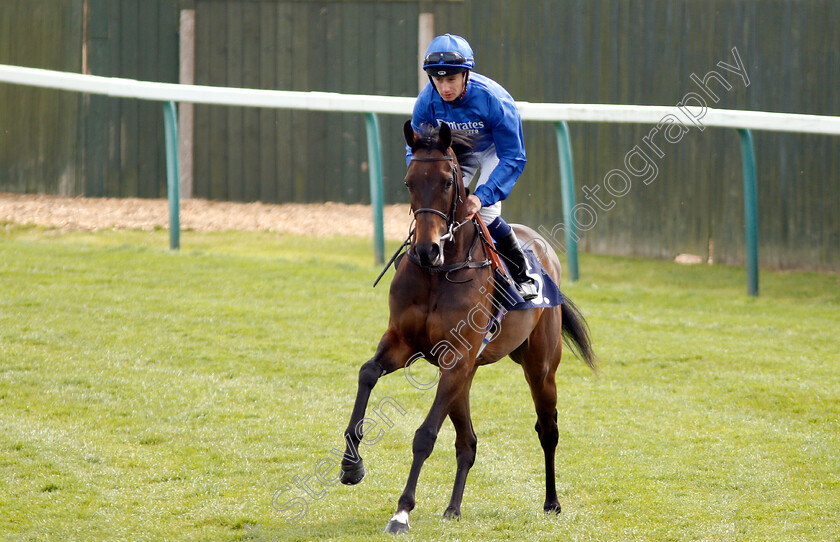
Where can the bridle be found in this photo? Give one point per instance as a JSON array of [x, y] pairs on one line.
[[452, 226], [450, 219]]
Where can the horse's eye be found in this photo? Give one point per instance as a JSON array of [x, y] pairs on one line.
[[450, 182], [407, 185]]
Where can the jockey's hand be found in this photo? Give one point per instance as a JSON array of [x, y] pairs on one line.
[[473, 205]]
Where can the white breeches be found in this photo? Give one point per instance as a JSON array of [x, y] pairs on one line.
[[487, 162]]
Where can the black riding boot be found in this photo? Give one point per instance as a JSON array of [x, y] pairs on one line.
[[509, 248]]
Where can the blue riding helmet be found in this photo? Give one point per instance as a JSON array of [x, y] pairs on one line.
[[448, 55]]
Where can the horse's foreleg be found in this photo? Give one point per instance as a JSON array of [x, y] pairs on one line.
[[449, 387], [390, 355], [465, 448], [352, 466]]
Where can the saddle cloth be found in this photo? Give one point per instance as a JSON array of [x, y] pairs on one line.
[[548, 293], [508, 299]]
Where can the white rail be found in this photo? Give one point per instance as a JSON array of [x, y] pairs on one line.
[[357, 103]]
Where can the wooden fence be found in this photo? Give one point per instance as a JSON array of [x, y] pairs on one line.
[[600, 51]]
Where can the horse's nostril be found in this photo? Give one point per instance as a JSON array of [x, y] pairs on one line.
[[429, 255]]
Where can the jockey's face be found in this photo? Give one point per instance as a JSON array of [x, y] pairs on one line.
[[450, 87]]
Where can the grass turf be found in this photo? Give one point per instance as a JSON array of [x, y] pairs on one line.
[[150, 395]]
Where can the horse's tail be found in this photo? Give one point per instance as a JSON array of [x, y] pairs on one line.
[[576, 333]]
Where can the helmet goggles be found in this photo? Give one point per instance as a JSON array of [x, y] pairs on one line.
[[445, 57]]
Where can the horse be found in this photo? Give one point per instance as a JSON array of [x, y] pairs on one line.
[[430, 302]]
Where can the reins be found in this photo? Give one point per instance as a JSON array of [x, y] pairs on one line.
[[469, 263]]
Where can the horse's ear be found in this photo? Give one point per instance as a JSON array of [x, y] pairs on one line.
[[409, 134], [445, 134]]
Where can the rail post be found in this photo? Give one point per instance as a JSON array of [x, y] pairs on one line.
[[375, 175], [567, 191], [170, 122], [750, 210]]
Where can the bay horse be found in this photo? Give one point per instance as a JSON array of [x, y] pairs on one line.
[[431, 300]]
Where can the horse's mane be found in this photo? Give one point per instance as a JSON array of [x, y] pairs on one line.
[[463, 143]]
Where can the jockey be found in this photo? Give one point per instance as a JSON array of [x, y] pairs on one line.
[[475, 103]]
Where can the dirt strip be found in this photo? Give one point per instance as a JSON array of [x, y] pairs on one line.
[[91, 214]]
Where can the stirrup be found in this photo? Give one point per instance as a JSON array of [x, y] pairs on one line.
[[527, 289]]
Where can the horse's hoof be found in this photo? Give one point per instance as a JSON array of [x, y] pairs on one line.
[[396, 526], [352, 474], [452, 513], [553, 507]]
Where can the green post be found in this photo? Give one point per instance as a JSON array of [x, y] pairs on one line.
[[567, 190], [750, 210], [375, 172], [170, 122]]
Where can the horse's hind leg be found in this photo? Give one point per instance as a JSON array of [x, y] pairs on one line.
[[465, 448], [540, 367]]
